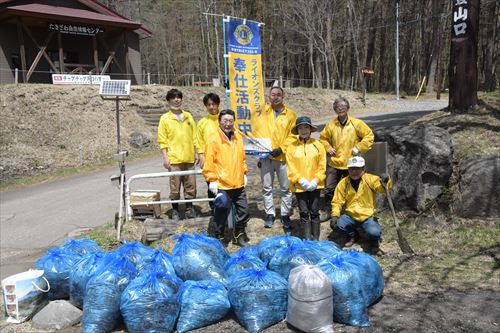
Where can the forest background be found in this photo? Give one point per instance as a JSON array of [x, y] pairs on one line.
[[320, 43]]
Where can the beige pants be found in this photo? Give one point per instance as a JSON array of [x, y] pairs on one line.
[[188, 182]]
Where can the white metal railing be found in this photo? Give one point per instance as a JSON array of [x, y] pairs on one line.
[[129, 205]]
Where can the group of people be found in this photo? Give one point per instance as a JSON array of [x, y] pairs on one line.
[[303, 166]]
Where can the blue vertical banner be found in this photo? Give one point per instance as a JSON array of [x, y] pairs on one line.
[[246, 83]]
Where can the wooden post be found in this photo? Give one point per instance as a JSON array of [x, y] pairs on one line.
[[125, 46], [438, 74], [462, 70], [21, 49], [96, 55], [61, 52]]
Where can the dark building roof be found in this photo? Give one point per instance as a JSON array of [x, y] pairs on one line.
[[99, 14]]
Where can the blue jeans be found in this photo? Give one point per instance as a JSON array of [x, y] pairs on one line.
[[371, 227]]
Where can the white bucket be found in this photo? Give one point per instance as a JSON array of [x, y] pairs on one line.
[[24, 294]]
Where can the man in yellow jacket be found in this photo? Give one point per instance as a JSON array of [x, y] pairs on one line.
[[207, 127], [342, 137], [277, 123], [176, 137], [356, 194], [306, 165], [225, 170]]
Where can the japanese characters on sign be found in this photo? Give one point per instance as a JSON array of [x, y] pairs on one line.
[[460, 18], [78, 79], [246, 85], [75, 29]]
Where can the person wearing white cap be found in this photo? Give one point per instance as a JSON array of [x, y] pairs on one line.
[[357, 194], [306, 165], [343, 137]]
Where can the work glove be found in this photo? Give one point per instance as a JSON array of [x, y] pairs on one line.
[[313, 184], [333, 222], [212, 187], [355, 151], [245, 180], [384, 178], [304, 183], [276, 152]]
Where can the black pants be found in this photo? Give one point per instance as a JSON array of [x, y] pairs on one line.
[[211, 196], [238, 199], [333, 177], [308, 206]]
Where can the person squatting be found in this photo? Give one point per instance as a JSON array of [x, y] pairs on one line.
[[305, 167]]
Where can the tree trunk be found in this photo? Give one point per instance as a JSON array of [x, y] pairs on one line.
[[462, 70]]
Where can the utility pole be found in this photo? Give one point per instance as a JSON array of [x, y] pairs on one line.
[[397, 50]]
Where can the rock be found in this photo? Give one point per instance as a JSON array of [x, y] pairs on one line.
[[57, 315], [138, 140], [479, 187], [420, 163]]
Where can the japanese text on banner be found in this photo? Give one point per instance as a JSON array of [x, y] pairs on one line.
[[245, 76]]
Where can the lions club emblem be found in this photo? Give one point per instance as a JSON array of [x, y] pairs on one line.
[[243, 34]]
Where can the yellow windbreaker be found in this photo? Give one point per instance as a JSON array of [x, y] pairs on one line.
[[355, 133], [305, 160], [359, 205], [225, 161], [278, 129], [178, 138], [207, 126]]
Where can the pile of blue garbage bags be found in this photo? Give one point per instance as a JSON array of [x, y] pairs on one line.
[[200, 283]]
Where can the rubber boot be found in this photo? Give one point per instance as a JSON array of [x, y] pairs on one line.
[[341, 238], [315, 231], [175, 212], [374, 247], [190, 211], [240, 238], [307, 230]]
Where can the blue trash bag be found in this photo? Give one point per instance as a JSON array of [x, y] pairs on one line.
[[259, 298], [240, 261], [269, 246], [202, 303], [101, 306], [81, 273], [372, 276], [249, 250], [80, 247], [349, 305], [198, 257], [134, 251], [150, 303], [57, 265], [158, 261], [328, 248], [289, 257]]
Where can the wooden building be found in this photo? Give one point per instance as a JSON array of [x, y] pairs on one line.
[[44, 37]]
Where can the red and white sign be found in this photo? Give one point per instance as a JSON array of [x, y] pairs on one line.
[[78, 79]]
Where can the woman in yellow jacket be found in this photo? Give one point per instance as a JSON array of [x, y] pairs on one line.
[[356, 194], [225, 170], [306, 164]]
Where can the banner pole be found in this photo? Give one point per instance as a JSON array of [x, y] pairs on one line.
[[226, 74]]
